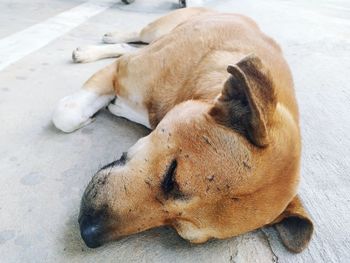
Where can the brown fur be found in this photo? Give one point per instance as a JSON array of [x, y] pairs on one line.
[[233, 132]]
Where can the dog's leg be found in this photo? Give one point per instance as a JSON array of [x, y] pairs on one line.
[[78, 110], [121, 37], [92, 53], [127, 109], [156, 29], [153, 31]]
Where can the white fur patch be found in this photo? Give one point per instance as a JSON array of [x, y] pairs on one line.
[[124, 108], [76, 110]]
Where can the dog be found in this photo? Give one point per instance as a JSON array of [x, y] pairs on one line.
[[224, 154]]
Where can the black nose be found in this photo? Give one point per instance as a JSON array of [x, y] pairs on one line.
[[91, 230]]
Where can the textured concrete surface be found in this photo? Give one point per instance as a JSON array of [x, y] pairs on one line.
[[44, 172]]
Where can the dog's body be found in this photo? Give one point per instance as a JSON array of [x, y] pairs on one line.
[[224, 156]]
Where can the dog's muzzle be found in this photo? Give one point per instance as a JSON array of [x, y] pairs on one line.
[[91, 229]]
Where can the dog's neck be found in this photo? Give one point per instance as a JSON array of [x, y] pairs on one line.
[[157, 109], [203, 83]]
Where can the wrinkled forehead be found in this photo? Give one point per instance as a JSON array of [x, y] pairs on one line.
[[188, 128], [181, 125], [189, 124]]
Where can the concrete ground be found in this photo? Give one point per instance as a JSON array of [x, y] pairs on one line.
[[44, 172]]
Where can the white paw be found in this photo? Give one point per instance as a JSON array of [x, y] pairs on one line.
[[111, 38], [68, 116], [78, 109], [84, 54]]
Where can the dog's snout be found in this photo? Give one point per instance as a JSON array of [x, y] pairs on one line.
[[91, 230]]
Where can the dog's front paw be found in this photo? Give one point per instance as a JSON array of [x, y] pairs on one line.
[[84, 54], [69, 116]]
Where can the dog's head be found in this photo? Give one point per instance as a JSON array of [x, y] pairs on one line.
[[210, 170]]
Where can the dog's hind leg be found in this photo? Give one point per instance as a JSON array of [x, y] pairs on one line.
[[92, 53], [151, 32], [156, 29], [78, 109]]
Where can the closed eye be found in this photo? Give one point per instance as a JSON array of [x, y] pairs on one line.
[[169, 183]]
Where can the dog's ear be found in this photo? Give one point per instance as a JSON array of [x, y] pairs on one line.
[[247, 100], [294, 226]]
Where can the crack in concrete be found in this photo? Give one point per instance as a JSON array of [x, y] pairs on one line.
[[275, 258]]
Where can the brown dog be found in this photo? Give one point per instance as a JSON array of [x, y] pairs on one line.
[[224, 154]]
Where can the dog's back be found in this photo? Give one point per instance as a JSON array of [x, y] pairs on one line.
[[190, 62]]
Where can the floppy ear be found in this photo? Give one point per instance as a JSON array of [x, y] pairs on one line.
[[247, 100], [294, 226]]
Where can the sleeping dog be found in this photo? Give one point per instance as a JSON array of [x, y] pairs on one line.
[[224, 154]]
